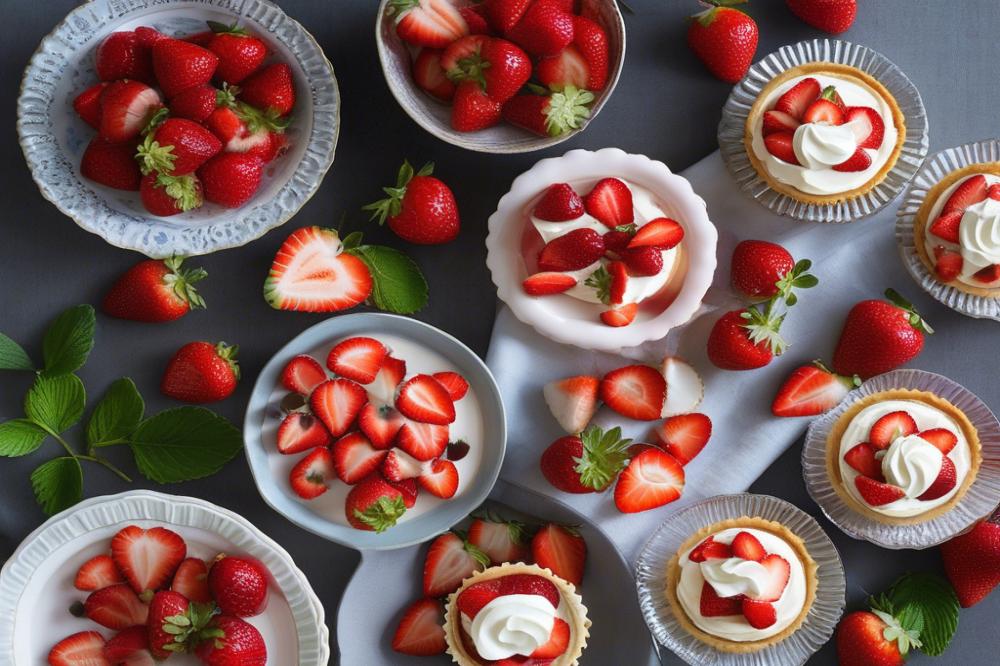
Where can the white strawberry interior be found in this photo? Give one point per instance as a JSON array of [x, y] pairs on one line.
[[685, 388], [979, 235]]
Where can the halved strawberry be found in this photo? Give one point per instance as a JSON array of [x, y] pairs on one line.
[[861, 457], [501, 540], [759, 614], [987, 275], [311, 273], [634, 391], [877, 493], [610, 201], [944, 439], [424, 399], [450, 560], [619, 282], [380, 424], [823, 111], [423, 441], [441, 480], [566, 68], [712, 605], [302, 374], [867, 125], [797, 99], [191, 581], [572, 401], [560, 549], [476, 596], [661, 232], [557, 643], [559, 204], [748, 547], [147, 558], [530, 584], [547, 283], [311, 476], [115, 607], [126, 108], [300, 432], [84, 648], [891, 427], [572, 251], [129, 647], [433, 23], [653, 478], [398, 465], [354, 457], [859, 161], [683, 436], [421, 629], [337, 403], [810, 390], [430, 75], [358, 358], [388, 379], [943, 484], [620, 316], [779, 121], [710, 549], [88, 104], [778, 571], [947, 263], [455, 383], [971, 191], [780, 144], [97, 572], [946, 225]]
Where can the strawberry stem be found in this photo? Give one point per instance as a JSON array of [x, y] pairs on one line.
[[916, 321]]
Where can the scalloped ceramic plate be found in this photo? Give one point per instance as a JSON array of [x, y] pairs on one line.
[[571, 321], [53, 137], [425, 349], [36, 583], [368, 615]]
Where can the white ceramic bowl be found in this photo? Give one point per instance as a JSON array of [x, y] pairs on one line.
[[36, 583], [435, 116], [569, 320], [53, 137]]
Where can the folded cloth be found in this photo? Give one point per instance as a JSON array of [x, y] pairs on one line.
[[853, 262]]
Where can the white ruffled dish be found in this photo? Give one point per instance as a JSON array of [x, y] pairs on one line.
[[572, 321], [53, 137], [979, 501], [36, 583], [934, 169], [651, 573]]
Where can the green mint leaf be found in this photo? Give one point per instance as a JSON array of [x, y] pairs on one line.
[[117, 415], [58, 484], [183, 444], [397, 283], [13, 356], [938, 606], [68, 341], [19, 437], [55, 403]]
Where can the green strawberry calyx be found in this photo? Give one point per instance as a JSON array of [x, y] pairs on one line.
[[605, 454], [851, 382], [154, 157], [188, 628], [383, 513], [182, 281], [567, 109], [706, 17], [228, 354], [393, 204], [515, 528], [763, 326], [600, 282], [797, 278], [183, 190], [912, 316], [472, 549], [223, 29]]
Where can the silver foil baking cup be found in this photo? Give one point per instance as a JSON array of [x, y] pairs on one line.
[[934, 169], [744, 94], [978, 502], [651, 576]]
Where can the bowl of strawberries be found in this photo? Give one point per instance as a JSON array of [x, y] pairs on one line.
[[174, 128], [501, 76]]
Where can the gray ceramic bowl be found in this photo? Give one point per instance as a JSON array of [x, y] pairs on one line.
[[434, 116], [271, 469]]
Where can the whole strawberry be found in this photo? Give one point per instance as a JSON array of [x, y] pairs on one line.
[[270, 89], [111, 164], [201, 372], [879, 336], [420, 208], [155, 290], [972, 562], [550, 114], [165, 195], [374, 504], [587, 463], [239, 585], [758, 267], [180, 65], [745, 339], [231, 179], [724, 39], [832, 16], [239, 53], [231, 641], [174, 624], [177, 147], [861, 641]]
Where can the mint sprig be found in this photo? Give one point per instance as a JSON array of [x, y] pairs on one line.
[[397, 283]]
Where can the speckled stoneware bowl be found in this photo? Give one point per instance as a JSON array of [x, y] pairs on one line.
[[435, 116], [53, 137]]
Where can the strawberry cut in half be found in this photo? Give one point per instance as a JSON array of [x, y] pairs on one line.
[[441, 480], [891, 427], [422, 398], [300, 432], [634, 391], [947, 263], [423, 441], [610, 201], [572, 401], [548, 283], [84, 648], [877, 493], [710, 549], [380, 424], [388, 379], [115, 607], [337, 403], [970, 191], [823, 111], [867, 125], [861, 458], [312, 475], [780, 145], [433, 23], [147, 558], [455, 383], [96, 573], [859, 161], [354, 457], [450, 560], [987, 275], [358, 358], [799, 98], [191, 581], [651, 479], [421, 629], [302, 374], [431, 77], [620, 316], [560, 549], [779, 121], [748, 547], [943, 483], [946, 225], [501, 540], [683, 436], [398, 465], [810, 390], [778, 571], [557, 643], [712, 605], [944, 439], [759, 614]]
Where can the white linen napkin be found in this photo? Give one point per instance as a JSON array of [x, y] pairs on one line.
[[853, 262]]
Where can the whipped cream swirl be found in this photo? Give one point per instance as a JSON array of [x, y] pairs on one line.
[[820, 146], [912, 463], [979, 234], [514, 624], [734, 576]]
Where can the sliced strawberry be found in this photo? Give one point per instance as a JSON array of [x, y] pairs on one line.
[[88, 104], [421, 630], [398, 465], [867, 125], [566, 68], [619, 282], [823, 111], [572, 401], [809, 391], [994, 191], [559, 204], [380, 424], [97, 572], [560, 549], [778, 572], [748, 547], [712, 605], [388, 379], [476, 596], [971, 191], [450, 560], [796, 100], [947, 263], [944, 439], [85, 648], [337, 403], [191, 581], [129, 647], [759, 614], [354, 457], [877, 493], [302, 374], [620, 316], [779, 121], [946, 225], [943, 484], [433, 23], [431, 76], [891, 427], [312, 475], [859, 161], [634, 391], [115, 607], [662, 232], [126, 108], [501, 540], [423, 441], [300, 432], [780, 145], [441, 480], [683, 436], [530, 584], [548, 283], [987, 275], [557, 643], [424, 399], [357, 358], [653, 478], [710, 549], [147, 558], [455, 383], [572, 251], [610, 201], [861, 457]]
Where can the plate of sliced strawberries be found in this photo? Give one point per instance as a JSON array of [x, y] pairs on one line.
[[375, 431], [175, 128], [141, 576]]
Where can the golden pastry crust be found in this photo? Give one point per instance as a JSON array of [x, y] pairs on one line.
[[922, 222], [577, 612], [842, 71], [837, 433], [809, 566]]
